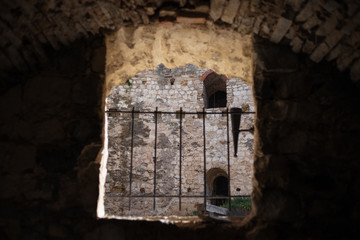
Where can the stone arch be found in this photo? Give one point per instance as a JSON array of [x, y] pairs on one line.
[[217, 184]]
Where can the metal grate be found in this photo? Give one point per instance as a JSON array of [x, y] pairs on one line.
[[235, 114]]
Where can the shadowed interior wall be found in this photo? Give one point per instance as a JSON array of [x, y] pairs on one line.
[[306, 154], [306, 166]]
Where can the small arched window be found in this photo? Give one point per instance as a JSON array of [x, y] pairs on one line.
[[214, 90]]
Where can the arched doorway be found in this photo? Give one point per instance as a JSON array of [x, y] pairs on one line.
[[217, 185], [220, 188]]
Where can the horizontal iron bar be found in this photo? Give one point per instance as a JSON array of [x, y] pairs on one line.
[[166, 112], [176, 196]]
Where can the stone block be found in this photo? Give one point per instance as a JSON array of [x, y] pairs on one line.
[[307, 11], [244, 8], [167, 13], [257, 24], [311, 22], [291, 34], [352, 6], [190, 20], [354, 39], [308, 46], [323, 49], [295, 4], [296, 44], [331, 6], [333, 38], [281, 28], [319, 52], [335, 53], [355, 71], [230, 11], [329, 25], [254, 5], [344, 60], [216, 9]]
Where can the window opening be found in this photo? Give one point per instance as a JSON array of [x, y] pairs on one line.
[[217, 100], [162, 150], [219, 193], [214, 90]]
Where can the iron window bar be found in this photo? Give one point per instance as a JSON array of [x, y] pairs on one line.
[[201, 114]]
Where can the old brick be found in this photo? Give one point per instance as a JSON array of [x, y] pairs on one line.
[[230, 11], [281, 28]]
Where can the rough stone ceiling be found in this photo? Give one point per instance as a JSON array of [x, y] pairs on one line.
[[324, 29]]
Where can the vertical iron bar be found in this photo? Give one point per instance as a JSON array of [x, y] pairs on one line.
[[204, 132], [131, 154], [180, 153], [228, 156], [156, 115]]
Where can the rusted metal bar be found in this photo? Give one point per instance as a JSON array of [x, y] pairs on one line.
[[166, 112], [155, 150], [228, 157], [176, 196], [131, 154], [204, 134], [180, 159]]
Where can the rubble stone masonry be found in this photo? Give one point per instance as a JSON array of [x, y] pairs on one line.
[[169, 90]]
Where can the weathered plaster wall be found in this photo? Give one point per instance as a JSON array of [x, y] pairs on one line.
[[169, 90], [131, 50]]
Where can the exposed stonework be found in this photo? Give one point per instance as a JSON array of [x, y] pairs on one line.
[[29, 26], [306, 171], [170, 90]]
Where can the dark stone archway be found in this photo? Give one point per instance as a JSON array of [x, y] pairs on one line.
[[220, 188]]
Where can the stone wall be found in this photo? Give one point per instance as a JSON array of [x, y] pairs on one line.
[[169, 90], [50, 126], [303, 189], [306, 162], [322, 29]]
